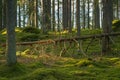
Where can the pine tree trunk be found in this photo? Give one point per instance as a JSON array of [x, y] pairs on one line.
[[107, 24], [53, 14], [19, 14], [78, 17], [11, 23], [0, 14]]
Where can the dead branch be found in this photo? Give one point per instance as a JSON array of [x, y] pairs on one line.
[[66, 39]]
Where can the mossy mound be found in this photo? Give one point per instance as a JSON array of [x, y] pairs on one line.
[[116, 25], [31, 30], [30, 37]]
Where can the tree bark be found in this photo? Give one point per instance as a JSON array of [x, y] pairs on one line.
[[1, 15], [19, 5], [78, 17], [53, 14], [107, 24], [96, 14], [46, 15], [11, 23]]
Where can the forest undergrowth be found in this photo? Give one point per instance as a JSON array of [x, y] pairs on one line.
[[64, 61]]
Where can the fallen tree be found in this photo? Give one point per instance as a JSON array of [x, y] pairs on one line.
[[55, 41]]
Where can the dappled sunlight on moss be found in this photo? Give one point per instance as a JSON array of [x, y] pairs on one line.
[[83, 63], [4, 31]]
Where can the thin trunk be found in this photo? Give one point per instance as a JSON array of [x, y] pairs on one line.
[[0, 14], [58, 17], [88, 14], [78, 17], [24, 14], [73, 14], [19, 6], [117, 9], [69, 16], [37, 14], [84, 13], [53, 13], [96, 14], [4, 13]]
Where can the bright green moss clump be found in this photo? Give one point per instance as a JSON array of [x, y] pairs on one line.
[[116, 25]]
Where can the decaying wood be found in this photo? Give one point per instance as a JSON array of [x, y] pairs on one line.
[[55, 41]]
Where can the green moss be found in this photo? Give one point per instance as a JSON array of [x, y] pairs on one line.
[[76, 69], [31, 30], [116, 25], [84, 62], [12, 71]]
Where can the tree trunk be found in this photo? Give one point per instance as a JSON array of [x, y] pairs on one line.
[[11, 23], [65, 15], [107, 24], [4, 13], [0, 14], [84, 17], [73, 10], [19, 6], [96, 14], [24, 13], [53, 14], [69, 16], [78, 17], [46, 15], [58, 16]]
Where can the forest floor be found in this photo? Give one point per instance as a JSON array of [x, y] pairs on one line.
[[37, 62], [59, 68]]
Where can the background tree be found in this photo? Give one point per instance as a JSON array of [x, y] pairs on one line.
[[78, 17], [84, 14], [69, 16], [88, 18], [65, 16], [0, 14], [46, 15], [96, 14], [11, 23], [53, 14]]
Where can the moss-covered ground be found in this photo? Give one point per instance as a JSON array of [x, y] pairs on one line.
[[41, 62], [99, 68]]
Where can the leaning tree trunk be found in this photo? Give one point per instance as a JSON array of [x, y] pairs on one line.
[[11, 23]]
